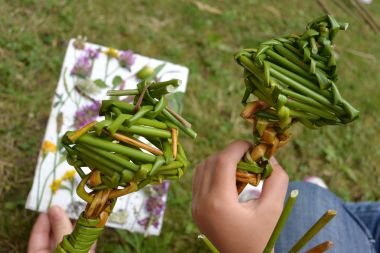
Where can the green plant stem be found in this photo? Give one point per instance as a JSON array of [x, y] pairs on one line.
[[299, 114], [316, 95], [288, 78], [307, 108], [43, 188], [143, 121], [266, 115], [54, 173], [176, 122], [249, 167], [146, 131], [172, 82], [293, 49], [107, 145], [139, 114], [38, 201], [106, 166], [124, 107], [302, 81], [113, 157], [170, 166], [306, 99], [289, 65], [209, 244], [282, 220], [122, 92], [326, 218], [289, 55]]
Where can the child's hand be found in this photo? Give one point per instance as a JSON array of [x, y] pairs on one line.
[[49, 230], [232, 226]]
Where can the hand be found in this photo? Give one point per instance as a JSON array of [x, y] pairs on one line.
[[49, 230], [232, 226]]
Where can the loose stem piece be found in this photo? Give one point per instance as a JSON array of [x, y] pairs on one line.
[[282, 220], [326, 218], [138, 144], [210, 246], [320, 248]]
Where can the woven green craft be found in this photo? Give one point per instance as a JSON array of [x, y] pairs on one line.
[[114, 152], [294, 80]]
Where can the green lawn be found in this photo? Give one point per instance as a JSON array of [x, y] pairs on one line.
[[33, 38]]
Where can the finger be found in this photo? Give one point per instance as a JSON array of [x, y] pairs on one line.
[[275, 187], [224, 174], [205, 181], [196, 177], [60, 223], [202, 178], [39, 237], [93, 248]]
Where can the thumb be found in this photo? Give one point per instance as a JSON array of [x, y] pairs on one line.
[[60, 223]]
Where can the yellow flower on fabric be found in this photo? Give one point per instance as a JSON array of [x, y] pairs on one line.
[[69, 175], [48, 146], [55, 185], [112, 52]]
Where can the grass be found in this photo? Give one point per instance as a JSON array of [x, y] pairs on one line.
[[33, 38]]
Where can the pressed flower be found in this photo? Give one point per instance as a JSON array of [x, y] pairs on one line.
[[155, 205], [82, 67], [48, 146], [146, 222], [55, 185], [86, 87], [91, 53], [127, 58], [112, 52], [79, 42], [86, 114], [69, 175]]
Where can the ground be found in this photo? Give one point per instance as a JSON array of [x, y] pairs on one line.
[[33, 38]]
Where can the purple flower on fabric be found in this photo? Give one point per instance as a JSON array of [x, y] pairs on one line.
[[91, 53], [127, 58], [155, 205], [86, 114], [82, 67], [161, 189], [146, 222]]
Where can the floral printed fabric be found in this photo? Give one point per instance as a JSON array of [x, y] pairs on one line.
[[88, 71]]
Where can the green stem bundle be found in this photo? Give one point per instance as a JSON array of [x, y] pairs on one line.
[[119, 162]]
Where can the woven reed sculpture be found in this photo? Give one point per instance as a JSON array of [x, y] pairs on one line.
[[113, 151], [293, 79]]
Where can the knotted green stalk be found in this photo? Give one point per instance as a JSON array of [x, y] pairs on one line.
[[135, 145], [293, 79]]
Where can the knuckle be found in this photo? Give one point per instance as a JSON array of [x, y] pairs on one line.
[[221, 160], [214, 205]]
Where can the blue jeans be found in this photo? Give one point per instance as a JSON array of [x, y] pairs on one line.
[[356, 227]]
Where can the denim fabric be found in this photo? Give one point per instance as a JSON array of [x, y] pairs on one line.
[[348, 232], [369, 215]]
